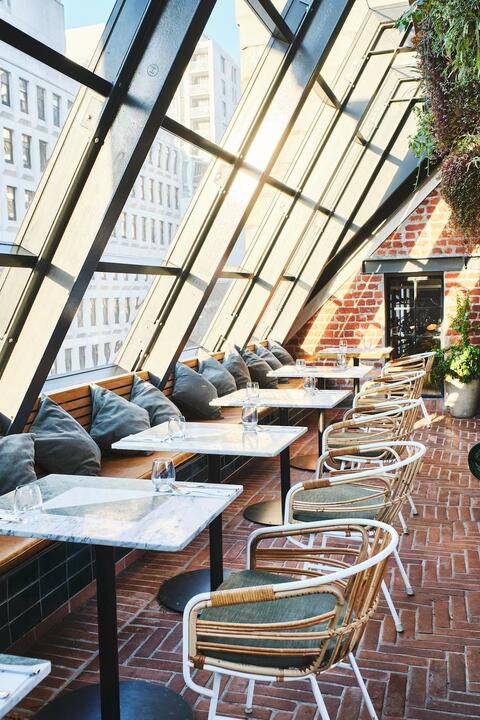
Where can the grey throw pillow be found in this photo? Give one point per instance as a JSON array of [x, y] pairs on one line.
[[280, 353], [149, 397], [268, 356], [113, 418], [259, 370], [61, 444], [218, 375], [192, 393], [17, 461], [236, 366]]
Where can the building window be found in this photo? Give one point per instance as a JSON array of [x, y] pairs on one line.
[[56, 109], [43, 150], [5, 87], [176, 197], [116, 310], [144, 229], [224, 88], [124, 225], [95, 355], [23, 94], [167, 158], [175, 161], [159, 155], [8, 145], [169, 196], [150, 156], [81, 357], [142, 187], [118, 345], [11, 203], [152, 189], [28, 198], [107, 350], [222, 63], [41, 102], [134, 227], [234, 74], [80, 315], [127, 309], [152, 230], [68, 360], [170, 232], [160, 193], [93, 312], [105, 310], [27, 151], [224, 108]]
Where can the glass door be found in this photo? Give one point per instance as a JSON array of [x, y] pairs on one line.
[[414, 306]]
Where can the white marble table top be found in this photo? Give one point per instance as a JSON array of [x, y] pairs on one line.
[[18, 677], [215, 439], [329, 372], [120, 512], [360, 351], [319, 399]]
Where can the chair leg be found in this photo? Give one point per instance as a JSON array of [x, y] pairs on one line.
[[391, 607], [250, 690], [212, 711], [319, 699], [425, 414], [363, 687], [404, 525], [410, 590], [412, 505]]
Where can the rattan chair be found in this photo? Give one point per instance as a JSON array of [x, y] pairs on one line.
[[369, 481], [281, 621], [384, 422], [407, 386], [411, 363]]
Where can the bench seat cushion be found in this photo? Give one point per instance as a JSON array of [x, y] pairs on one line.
[[14, 551]]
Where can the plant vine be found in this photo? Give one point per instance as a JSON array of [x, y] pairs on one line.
[[448, 123]]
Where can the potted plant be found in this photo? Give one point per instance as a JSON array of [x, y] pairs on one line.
[[459, 364]]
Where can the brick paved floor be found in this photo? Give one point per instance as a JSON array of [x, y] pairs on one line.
[[431, 671]]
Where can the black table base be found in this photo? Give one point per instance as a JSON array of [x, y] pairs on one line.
[[304, 462], [268, 512], [138, 699], [177, 591]]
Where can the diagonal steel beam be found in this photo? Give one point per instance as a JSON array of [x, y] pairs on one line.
[[268, 14]]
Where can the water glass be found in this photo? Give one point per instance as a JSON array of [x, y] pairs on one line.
[[309, 384], [341, 360], [249, 418], [163, 474], [176, 426], [253, 390], [300, 364], [27, 498]]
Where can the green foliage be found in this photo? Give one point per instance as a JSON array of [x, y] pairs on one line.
[[461, 360], [423, 143]]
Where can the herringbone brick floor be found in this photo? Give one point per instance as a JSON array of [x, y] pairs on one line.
[[430, 672]]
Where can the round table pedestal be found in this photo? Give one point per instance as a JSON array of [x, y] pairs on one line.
[[175, 592], [268, 512], [304, 462], [138, 699]]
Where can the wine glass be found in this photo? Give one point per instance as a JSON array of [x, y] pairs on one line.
[[27, 498], [163, 474]]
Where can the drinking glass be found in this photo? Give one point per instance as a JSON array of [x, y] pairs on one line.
[[253, 390], [249, 418], [176, 426], [27, 498], [342, 345], [163, 474], [300, 363], [341, 360], [309, 384]]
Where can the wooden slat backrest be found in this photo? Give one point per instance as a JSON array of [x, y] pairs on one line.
[[77, 400]]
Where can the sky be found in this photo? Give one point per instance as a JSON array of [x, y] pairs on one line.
[[222, 25]]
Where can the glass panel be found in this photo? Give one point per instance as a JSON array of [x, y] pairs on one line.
[[208, 314], [22, 273], [102, 322]]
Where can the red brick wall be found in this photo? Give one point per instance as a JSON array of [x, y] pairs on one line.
[[357, 310]]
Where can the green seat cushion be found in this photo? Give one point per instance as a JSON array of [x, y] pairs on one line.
[[278, 611], [338, 494]]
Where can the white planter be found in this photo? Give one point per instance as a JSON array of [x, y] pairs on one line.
[[462, 399]]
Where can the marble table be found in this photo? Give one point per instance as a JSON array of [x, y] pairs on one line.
[[18, 677], [110, 513], [321, 373], [271, 512], [215, 439], [357, 352]]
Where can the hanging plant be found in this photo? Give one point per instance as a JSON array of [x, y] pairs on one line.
[[448, 124]]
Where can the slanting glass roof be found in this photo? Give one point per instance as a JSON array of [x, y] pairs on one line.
[[198, 194]]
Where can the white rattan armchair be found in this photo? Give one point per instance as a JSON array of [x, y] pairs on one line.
[[281, 621]]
